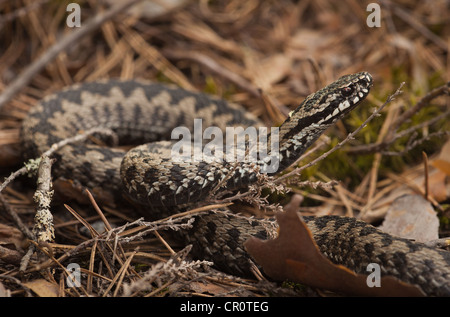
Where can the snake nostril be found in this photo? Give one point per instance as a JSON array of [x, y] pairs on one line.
[[347, 91]]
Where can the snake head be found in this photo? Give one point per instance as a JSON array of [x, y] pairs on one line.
[[329, 104], [345, 94], [318, 111], [332, 102]]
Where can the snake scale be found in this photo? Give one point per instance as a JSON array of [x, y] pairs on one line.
[[145, 113]]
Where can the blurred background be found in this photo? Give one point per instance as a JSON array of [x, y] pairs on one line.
[[234, 49]]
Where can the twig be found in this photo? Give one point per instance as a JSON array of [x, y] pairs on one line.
[[175, 268], [67, 41], [411, 20], [43, 230], [33, 164], [349, 137], [444, 89], [55, 261], [157, 60], [319, 184], [20, 225], [13, 176], [213, 66], [216, 68], [119, 277], [98, 210], [193, 211], [19, 13], [18, 282], [86, 224], [421, 125], [163, 241], [26, 258], [79, 138], [411, 145], [425, 165], [392, 135], [10, 256]]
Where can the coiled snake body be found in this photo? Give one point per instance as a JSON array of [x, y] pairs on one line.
[[140, 112]]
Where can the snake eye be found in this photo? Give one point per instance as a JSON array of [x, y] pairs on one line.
[[363, 81], [347, 91]]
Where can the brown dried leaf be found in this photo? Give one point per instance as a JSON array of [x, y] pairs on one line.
[[10, 256], [43, 288], [412, 217], [266, 72], [442, 165], [12, 236], [12, 242], [4, 292], [294, 256], [438, 183]]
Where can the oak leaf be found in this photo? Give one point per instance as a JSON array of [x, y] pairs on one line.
[[294, 256]]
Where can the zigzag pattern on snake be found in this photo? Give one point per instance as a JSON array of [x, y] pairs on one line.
[[140, 112]]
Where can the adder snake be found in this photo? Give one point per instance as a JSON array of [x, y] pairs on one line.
[[140, 112]]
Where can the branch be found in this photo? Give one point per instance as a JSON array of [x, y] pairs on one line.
[[43, 220], [392, 135], [43, 230], [33, 164], [349, 137]]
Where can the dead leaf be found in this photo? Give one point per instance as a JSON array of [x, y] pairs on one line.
[[294, 256], [412, 217], [439, 185], [442, 162], [266, 72], [12, 236], [10, 256], [43, 288], [438, 182], [442, 165], [4, 292]]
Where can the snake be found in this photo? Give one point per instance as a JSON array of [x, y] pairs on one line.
[[144, 114]]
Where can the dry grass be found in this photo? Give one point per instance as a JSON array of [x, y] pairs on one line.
[[266, 55]]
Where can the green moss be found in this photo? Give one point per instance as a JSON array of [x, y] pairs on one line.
[[294, 286], [210, 86], [350, 169]]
